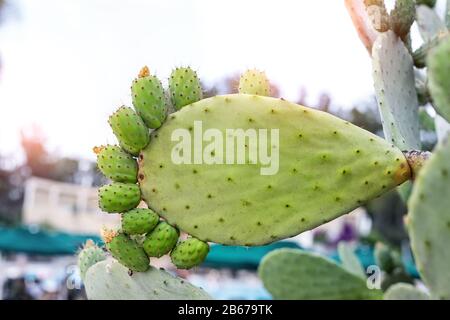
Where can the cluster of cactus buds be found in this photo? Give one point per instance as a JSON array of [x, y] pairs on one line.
[[119, 164]]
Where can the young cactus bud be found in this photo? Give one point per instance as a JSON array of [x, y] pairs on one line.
[[116, 164], [189, 253], [139, 221], [119, 197], [185, 87], [88, 256], [130, 130], [402, 17], [376, 10], [149, 99], [254, 82], [161, 240], [126, 251]]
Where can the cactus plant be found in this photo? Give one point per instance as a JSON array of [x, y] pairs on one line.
[[109, 280], [247, 169], [293, 274]]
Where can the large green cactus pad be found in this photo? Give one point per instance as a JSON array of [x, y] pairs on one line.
[[109, 280], [291, 274], [429, 226], [327, 167], [393, 75]]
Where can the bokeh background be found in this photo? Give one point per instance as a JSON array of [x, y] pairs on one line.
[[65, 65]]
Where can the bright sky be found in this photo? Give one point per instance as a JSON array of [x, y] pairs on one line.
[[68, 64]]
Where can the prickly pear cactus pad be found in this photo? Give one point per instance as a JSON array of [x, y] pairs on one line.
[[313, 168], [292, 274], [439, 77], [404, 291], [109, 280], [393, 75], [429, 223], [88, 256]]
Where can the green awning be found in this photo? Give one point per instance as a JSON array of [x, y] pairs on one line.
[[234, 257], [33, 240]]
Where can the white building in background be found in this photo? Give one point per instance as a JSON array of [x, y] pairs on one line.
[[65, 207]]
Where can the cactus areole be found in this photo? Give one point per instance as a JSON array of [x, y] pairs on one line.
[[249, 170]]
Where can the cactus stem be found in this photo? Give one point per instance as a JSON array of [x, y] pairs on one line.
[[416, 159]]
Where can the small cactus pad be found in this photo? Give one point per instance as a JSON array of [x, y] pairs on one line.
[[393, 75], [429, 221], [119, 197], [139, 221], [184, 87], [117, 164], [254, 82], [349, 260], [161, 240], [130, 130], [404, 291], [402, 17], [126, 251], [439, 77], [292, 274], [189, 253], [326, 168], [429, 23], [88, 256], [149, 99], [109, 280], [376, 10]]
